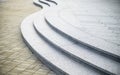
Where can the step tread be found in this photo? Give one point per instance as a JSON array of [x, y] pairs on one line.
[[50, 54], [72, 48]]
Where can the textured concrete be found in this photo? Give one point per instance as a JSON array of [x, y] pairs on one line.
[[15, 57]]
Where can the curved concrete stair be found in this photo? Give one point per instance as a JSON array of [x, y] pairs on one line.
[[59, 46], [57, 61], [76, 51], [72, 33]]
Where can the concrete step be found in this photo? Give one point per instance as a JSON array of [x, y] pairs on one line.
[[55, 60], [71, 32], [74, 50], [36, 2]]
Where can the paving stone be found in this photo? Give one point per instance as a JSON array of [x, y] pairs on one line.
[[11, 42], [26, 73], [51, 73], [42, 71], [11, 73]]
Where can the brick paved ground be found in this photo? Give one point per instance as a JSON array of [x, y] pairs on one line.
[[15, 57]]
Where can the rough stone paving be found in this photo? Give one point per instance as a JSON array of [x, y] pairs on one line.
[[15, 57]]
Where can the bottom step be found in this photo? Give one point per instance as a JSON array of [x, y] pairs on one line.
[[54, 59]]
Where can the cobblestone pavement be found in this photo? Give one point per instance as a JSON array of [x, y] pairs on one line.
[[15, 57]]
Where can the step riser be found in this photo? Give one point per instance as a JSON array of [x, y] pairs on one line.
[[110, 55]]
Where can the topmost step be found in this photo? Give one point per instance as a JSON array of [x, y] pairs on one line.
[[73, 23]]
